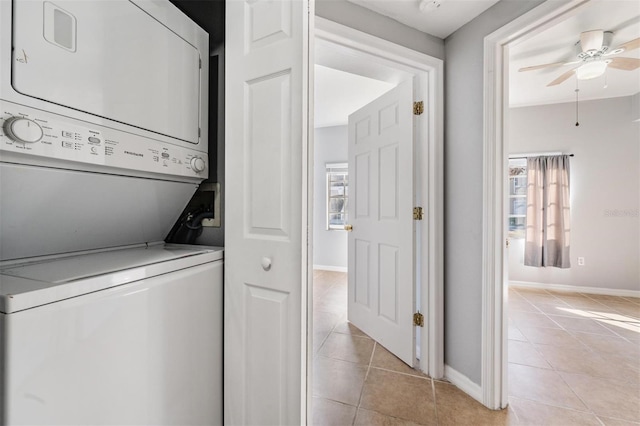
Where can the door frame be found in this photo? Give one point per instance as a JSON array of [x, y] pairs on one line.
[[494, 384], [428, 160]]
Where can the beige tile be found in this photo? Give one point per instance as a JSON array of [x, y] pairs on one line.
[[543, 297], [549, 336], [371, 418], [326, 413], [382, 358], [454, 407], [627, 329], [584, 303], [325, 321], [545, 386], [552, 308], [609, 398], [531, 319], [608, 344], [348, 348], [584, 361], [581, 324], [516, 334], [319, 338], [338, 380], [616, 422], [535, 414], [526, 354], [624, 307], [521, 304], [635, 300], [399, 395], [345, 327]]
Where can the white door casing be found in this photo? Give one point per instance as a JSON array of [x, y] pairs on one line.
[[381, 245], [266, 108]]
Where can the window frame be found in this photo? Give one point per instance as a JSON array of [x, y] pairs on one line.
[[334, 170], [514, 232]]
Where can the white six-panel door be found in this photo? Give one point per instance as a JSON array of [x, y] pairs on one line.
[[381, 260], [265, 233]]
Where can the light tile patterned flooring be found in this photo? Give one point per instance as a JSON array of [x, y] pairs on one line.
[[574, 359]]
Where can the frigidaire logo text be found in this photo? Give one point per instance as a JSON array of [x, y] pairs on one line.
[[134, 153]]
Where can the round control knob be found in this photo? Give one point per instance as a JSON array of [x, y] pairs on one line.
[[23, 130], [197, 164]]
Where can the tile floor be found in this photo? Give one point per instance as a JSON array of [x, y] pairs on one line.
[[574, 359]]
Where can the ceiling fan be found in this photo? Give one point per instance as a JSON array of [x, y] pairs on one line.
[[594, 56]]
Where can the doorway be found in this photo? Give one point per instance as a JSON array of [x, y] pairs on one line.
[[342, 49]]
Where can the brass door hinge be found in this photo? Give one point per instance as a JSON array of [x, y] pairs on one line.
[[418, 108], [418, 319], [417, 213]]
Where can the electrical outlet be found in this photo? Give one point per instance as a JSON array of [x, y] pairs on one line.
[[581, 261]]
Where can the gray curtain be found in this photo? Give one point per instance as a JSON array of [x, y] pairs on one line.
[[548, 217]]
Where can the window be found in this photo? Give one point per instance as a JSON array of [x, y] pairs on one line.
[[337, 195], [517, 197]]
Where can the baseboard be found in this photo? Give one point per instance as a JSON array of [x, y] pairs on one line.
[[465, 384], [575, 289], [331, 268]]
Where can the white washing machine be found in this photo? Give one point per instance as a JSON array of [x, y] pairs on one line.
[[126, 336], [103, 141]]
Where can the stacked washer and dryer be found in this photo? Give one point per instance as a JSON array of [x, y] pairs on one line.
[[103, 141]]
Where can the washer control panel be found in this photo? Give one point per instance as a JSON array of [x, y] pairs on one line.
[[33, 132]]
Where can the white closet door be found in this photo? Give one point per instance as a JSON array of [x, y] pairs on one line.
[[265, 232]]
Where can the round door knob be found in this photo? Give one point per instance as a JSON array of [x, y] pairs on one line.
[[266, 263], [23, 130], [348, 228], [197, 164]]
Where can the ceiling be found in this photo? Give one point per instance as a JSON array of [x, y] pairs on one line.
[[439, 21], [338, 93], [557, 44]]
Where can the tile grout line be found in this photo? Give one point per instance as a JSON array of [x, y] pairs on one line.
[[435, 402], [366, 376]]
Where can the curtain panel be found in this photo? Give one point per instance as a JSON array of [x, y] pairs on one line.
[[548, 227]]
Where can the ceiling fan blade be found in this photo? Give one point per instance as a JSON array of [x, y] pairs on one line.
[[626, 64], [555, 64], [563, 77], [630, 45], [591, 40]]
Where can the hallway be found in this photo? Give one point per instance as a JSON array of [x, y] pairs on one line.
[[560, 347]]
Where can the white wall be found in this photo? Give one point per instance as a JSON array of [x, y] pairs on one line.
[[329, 247], [370, 22], [463, 89], [605, 190]]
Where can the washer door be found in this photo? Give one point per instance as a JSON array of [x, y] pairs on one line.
[[110, 59]]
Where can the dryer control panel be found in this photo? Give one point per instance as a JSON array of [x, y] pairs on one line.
[[33, 132]]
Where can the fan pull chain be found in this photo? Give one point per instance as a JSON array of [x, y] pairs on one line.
[[577, 91]]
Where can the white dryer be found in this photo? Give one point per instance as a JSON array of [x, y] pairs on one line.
[[103, 141]]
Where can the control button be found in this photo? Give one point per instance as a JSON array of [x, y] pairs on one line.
[[66, 134], [23, 130], [93, 139], [94, 149], [197, 164], [165, 155], [66, 144]]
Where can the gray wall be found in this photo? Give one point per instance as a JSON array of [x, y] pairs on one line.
[[365, 20], [605, 189], [463, 184], [329, 247]]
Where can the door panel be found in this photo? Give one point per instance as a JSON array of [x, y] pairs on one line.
[[265, 245], [381, 258]]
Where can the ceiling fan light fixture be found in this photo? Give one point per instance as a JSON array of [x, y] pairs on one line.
[[591, 70]]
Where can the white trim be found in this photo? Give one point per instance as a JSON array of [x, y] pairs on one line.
[[575, 289], [330, 268], [464, 383], [496, 73], [430, 82]]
